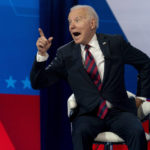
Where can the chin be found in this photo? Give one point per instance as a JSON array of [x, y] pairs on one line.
[[77, 42]]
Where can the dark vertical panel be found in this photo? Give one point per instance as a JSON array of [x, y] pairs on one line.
[[55, 126]]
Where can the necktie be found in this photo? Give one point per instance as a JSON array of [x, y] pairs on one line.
[[92, 71]]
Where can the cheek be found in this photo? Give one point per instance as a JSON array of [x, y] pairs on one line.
[[69, 27], [69, 30], [86, 30]]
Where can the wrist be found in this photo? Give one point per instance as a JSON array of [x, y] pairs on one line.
[[42, 53], [41, 58]]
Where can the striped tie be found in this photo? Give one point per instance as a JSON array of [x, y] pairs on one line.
[[92, 71]]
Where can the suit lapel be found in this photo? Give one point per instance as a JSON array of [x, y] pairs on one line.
[[104, 45]]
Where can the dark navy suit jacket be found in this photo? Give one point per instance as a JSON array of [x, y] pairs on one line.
[[68, 65]]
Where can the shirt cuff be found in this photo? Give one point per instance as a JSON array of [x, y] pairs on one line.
[[40, 58]]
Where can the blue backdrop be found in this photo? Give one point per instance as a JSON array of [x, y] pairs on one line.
[[19, 21], [19, 31]]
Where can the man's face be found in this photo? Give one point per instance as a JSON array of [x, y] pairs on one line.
[[81, 27]]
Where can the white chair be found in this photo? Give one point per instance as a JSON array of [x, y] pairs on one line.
[[110, 138]]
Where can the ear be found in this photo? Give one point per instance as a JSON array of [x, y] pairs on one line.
[[93, 24]]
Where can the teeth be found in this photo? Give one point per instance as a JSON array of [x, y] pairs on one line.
[[76, 33]]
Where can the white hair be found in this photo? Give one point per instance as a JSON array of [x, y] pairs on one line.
[[91, 11]]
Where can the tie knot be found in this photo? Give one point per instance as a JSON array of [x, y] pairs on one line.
[[87, 47]]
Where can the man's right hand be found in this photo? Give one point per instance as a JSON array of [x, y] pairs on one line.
[[43, 44]]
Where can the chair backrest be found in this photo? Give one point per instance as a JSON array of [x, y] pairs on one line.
[[143, 110]]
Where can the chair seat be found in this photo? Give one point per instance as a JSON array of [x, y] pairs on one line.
[[108, 137], [113, 138], [147, 136]]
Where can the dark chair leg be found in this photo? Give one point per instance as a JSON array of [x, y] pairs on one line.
[[108, 146]]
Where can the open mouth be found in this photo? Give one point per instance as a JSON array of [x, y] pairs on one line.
[[76, 33]]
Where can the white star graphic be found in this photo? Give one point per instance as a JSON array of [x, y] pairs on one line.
[[10, 82], [26, 83]]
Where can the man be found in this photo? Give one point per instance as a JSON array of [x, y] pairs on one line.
[[101, 96]]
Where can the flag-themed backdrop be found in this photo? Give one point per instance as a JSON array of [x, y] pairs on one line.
[[26, 120], [19, 103]]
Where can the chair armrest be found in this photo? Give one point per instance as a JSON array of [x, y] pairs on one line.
[[71, 104], [130, 94], [144, 110]]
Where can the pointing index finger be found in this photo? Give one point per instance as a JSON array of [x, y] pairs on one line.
[[41, 32]]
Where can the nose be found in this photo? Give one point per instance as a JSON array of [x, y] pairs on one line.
[[71, 25]]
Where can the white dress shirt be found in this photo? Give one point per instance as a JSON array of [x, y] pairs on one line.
[[96, 53]]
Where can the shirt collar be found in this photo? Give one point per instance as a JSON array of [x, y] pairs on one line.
[[93, 42]]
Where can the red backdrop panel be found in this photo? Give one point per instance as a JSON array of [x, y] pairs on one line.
[[20, 121]]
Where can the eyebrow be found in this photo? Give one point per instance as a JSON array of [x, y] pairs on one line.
[[77, 17]]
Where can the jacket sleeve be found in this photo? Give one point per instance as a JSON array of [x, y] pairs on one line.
[[141, 62], [42, 76]]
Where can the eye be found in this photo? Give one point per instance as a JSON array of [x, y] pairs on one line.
[[77, 20]]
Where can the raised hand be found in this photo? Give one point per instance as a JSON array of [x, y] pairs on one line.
[[43, 44]]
